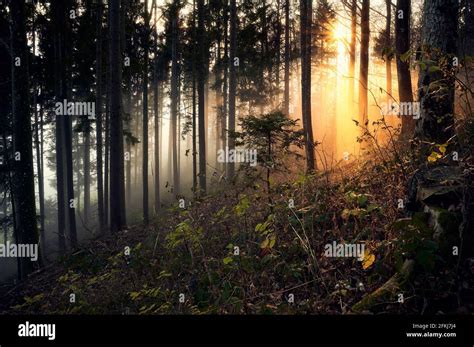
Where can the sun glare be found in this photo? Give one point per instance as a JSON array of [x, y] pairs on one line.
[[339, 32]]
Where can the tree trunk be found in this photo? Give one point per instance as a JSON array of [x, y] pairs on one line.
[[278, 56], [87, 173], [156, 100], [68, 133], [123, 11], [218, 76], [232, 83], [352, 53], [436, 89], [39, 152], [23, 178], [98, 106], [40, 155], [61, 28], [388, 40], [107, 156], [145, 118], [225, 83], [286, 102], [128, 142], [5, 212], [71, 209], [194, 135], [201, 98], [77, 163], [117, 219], [128, 164], [466, 45], [137, 148], [174, 100], [306, 10], [107, 136], [402, 46], [364, 63]]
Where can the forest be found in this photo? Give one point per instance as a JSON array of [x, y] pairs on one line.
[[236, 157]]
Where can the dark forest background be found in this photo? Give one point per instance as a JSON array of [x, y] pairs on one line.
[[133, 210]]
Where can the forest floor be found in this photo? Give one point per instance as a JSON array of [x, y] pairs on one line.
[[242, 251]]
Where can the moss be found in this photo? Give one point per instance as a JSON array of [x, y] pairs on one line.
[[449, 223], [420, 221], [387, 292]]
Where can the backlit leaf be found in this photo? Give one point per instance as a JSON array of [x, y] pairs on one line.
[[368, 260]]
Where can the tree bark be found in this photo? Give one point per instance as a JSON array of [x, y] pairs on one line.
[[388, 40], [23, 178], [127, 48], [439, 36], [194, 96], [225, 84], [276, 103], [87, 173], [364, 63], [68, 133], [286, 102], [117, 219], [174, 99], [145, 118], [71, 201], [107, 135], [352, 53], [39, 152], [306, 10], [232, 83], [61, 28], [402, 46], [156, 101], [201, 98]]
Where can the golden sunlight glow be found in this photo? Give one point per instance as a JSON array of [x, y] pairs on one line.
[[342, 36], [345, 111], [340, 32]]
